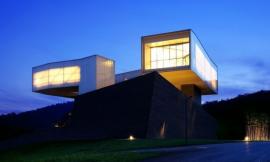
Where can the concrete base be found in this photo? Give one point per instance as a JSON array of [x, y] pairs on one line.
[[146, 107]]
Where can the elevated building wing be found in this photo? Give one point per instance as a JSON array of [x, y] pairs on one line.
[[181, 59], [177, 56], [73, 77]]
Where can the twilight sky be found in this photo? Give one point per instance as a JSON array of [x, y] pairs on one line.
[[236, 35]]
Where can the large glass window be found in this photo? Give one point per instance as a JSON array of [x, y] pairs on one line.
[[41, 78], [72, 74], [56, 76], [169, 56]]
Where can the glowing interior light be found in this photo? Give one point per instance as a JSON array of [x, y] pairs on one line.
[[131, 138], [72, 74], [57, 76], [166, 52], [169, 56], [40, 79], [246, 138]]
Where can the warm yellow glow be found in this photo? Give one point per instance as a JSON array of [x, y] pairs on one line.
[[56, 76], [246, 138], [169, 56], [162, 130], [108, 63], [40, 79], [257, 128], [72, 74], [131, 138], [158, 46], [168, 42]]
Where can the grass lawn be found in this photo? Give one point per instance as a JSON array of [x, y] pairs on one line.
[[91, 151]]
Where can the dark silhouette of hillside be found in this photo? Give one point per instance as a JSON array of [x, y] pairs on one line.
[[12, 124], [232, 114]]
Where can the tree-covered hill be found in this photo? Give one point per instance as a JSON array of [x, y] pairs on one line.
[[234, 115], [15, 124]]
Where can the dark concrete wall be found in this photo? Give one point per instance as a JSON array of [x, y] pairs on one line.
[[146, 107], [116, 111], [168, 110], [201, 125]]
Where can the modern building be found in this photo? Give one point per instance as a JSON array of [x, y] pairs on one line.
[[178, 56], [73, 77], [160, 100]]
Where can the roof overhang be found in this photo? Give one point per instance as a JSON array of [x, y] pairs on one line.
[[70, 92], [184, 77]]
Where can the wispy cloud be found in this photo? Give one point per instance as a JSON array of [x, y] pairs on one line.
[[243, 75]]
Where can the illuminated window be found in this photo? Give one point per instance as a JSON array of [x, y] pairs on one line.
[[154, 65], [185, 49], [172, 62], [166, 53], [154, 55], [56, 76], [172, 52], [40, 79], [179, 52], [166, 63], [186, 60], [179, 62], [169, 56], [160, 64], [71, 74], [159, 52]]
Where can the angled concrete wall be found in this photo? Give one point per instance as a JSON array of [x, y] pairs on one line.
[[146, 107]]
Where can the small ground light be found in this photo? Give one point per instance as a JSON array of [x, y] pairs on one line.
[[131, 138], [246, 138]]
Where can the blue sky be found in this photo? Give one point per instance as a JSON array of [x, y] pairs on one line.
[[235, 34]]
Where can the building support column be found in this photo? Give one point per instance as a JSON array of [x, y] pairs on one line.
[[191, 90]]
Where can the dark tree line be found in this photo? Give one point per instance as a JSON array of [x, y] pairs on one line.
[[12, 125], [234, 115]]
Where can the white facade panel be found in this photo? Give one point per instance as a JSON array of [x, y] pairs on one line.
[[202, 64], [105, 74], [88, 75]]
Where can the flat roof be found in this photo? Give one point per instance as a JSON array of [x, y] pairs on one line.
[[96, 55]]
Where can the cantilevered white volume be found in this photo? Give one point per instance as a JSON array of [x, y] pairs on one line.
[[73, 77]]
